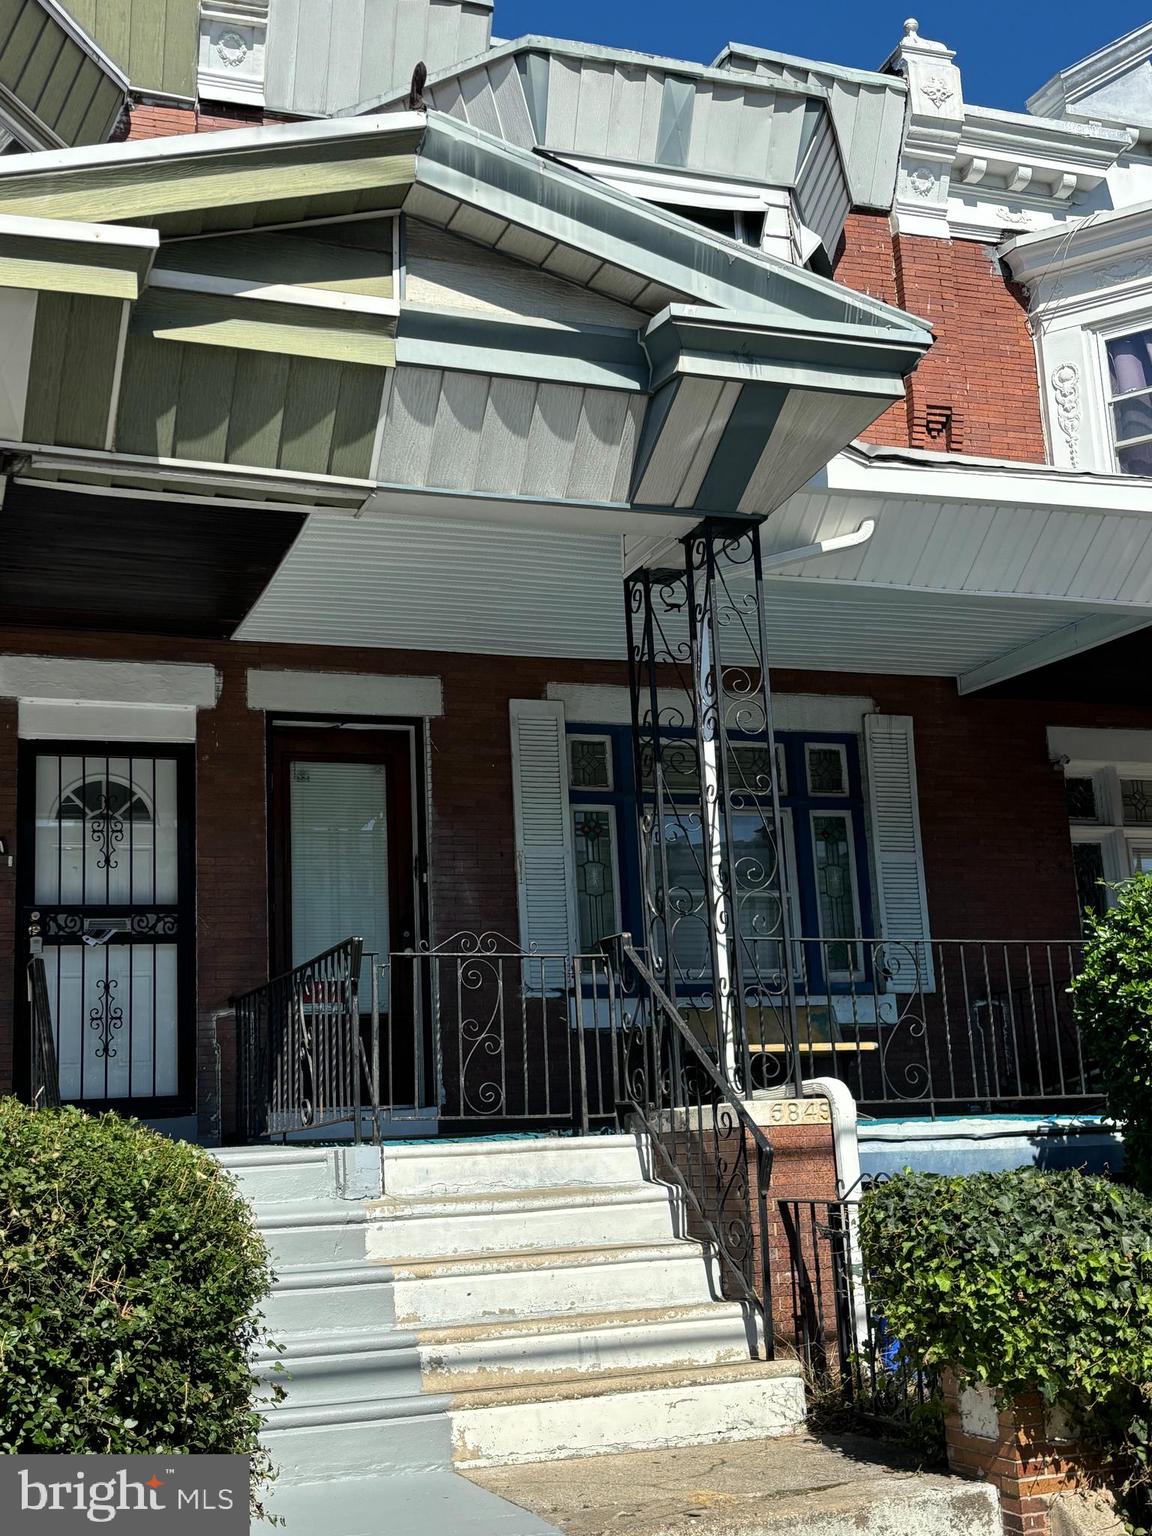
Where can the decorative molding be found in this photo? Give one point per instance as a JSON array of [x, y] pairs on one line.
[[232, 39], [1065, 380], [937, 90]]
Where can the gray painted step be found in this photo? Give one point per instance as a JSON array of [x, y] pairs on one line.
[[313, 1232], [325, 1443], [595, 1216], [275, 1174], [493, 1287], [534, 1163], [330, 1299], [431, 1504], [341, 1368], [645, 1339]]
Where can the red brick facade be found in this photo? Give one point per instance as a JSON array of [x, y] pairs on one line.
[[159, 120], [992, 806], [1022, 1459], [976, 392]]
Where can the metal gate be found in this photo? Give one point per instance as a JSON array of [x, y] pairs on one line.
[[106, 883]]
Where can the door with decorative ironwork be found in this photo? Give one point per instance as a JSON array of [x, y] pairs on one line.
[[106, 879]]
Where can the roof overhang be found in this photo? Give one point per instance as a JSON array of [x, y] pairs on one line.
[[57, 88]]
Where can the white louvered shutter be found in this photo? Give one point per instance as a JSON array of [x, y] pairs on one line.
[[899, 858], [544, 863]]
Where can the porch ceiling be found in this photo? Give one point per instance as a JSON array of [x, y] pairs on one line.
[[427, 582]]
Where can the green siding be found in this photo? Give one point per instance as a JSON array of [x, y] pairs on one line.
[[251, 408], [346, 258], [154, 41], [74, 349], [259, 325], [60, 86]]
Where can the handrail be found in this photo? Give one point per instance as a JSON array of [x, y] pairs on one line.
[[299, 1051], [685, 1105], [45, 1085]]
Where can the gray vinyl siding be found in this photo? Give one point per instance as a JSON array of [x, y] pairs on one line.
[[74, 349], [155, 42], [259, 409], [324, 56], [868, 112]]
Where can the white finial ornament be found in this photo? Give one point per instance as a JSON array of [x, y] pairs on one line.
[[911, 27]]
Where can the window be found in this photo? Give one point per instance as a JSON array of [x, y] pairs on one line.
[[1110, 822], [820, 787], [1130, 401], [738, 224]]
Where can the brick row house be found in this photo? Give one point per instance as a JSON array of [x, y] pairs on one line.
[[601, 493]]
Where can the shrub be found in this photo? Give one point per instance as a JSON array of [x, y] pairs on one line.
[[129, 1271], [1113, 1000], [1026, 1281]]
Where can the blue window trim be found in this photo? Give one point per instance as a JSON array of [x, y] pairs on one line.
[[798, 801]]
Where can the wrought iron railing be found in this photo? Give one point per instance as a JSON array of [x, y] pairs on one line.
[[300, 1051], [947, 1027], [702, 1137], [828, 1317], [45, 1084]]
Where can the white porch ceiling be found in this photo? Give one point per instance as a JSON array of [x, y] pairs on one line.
[[418, 583]]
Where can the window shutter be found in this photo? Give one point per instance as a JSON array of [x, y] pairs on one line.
[[899, 859], [544, 863]]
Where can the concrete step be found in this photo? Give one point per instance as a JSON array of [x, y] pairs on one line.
[[274, 1174], [438, 1293], [598, 1215], [419, 1504], [313, 1232], [789, 1486], [329, 1441], [482, 1167], [330, 1298], [347, 1367], [646, 1339], [578, 1415]]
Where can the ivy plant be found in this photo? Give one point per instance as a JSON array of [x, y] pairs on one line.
[[1026, 1281], [1113, 1001]]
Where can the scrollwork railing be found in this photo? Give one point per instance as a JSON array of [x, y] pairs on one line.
[[300, 1054], [707, 1143]]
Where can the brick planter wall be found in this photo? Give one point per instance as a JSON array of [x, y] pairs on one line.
[[1017, 1447]]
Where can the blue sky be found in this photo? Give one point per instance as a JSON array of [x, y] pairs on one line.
[[1005, 49]]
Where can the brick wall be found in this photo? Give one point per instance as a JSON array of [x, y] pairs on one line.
[[976, 392], [158, 120], [992, 807]]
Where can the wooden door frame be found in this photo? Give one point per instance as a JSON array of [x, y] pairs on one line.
[[347, 740], [183, 1102]]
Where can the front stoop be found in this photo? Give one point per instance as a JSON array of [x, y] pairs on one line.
[[476, 1304], [797, 1486]]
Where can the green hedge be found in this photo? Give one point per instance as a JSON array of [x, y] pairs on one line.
[[1113, 1001], [129, 1271], [1026, 1281]]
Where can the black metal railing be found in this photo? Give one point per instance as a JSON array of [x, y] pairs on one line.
[[45, 1084], [947, 1027], [827, 1316], [300, 1049], [702, 1138]]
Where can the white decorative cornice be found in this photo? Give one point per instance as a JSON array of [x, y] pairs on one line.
[[1071, 270], [232, 38], [970, 172], [1088, 87]]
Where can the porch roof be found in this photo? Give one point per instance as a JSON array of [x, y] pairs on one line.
[[206, 342]]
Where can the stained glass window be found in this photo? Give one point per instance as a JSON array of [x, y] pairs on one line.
[[1136, 797], [596, 903], [827, 771], [835, 888], [1080, 795], [589, 762]]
